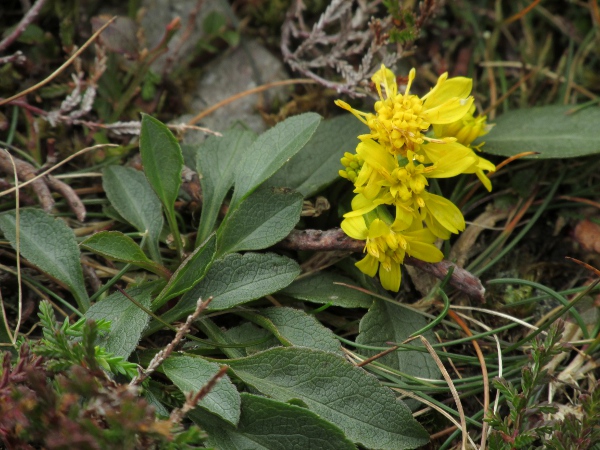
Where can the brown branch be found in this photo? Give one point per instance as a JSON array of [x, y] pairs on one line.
[[335, 239], [18, 58], [57, 72], [42, 185], [191, 399], [69, 195], [26, 172], [166, 352], [24, 23]]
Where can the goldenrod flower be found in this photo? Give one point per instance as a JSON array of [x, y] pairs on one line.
[[392, 166], [386, 246], [400, 120], [405, 186]]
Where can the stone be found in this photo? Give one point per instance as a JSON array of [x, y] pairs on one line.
[[246, 67], [157, 14]]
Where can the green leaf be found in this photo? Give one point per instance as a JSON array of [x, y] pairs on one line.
[[213, 23], [127, 320], [248, 332], [189, 273], [548, 130], [320, 288], [153, 400], [267, 424], [163, 163], [387, 322], [234, 280], [50, 245], [190, 374], [231, 37], [216, 161], [316, 166], [119, 247], [237, 279], [262, 219], [162, 160], [302, 329], [133, 198], [5, 335], [270, 151], [337, 391]]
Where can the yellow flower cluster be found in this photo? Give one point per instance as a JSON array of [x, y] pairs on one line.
[[410, 140]]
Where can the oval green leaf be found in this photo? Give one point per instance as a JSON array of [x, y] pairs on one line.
[[323, 288], [336, 390], [119, 247], [162, 160], [387, 322], [302, 329], [50, 245], [552, 131], [190, 374], [134, 199], [317, 164], [127, 320], [270, 151], [267, 424], [262, 219], [234, 280], [216, 161]]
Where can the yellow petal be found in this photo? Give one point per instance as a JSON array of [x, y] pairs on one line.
[[390, 279], [447, 168], [424, 251], [368, 265], [484, 164], [446, 212], [363, 176], [377, 156], [386, 78], [355, 227], [404, 217], [441, 80], [459, 159], [434, 151], [449, 111], [360, 212], [411, 77], [370, 190], [420, 234], [484, 180], [437, 228], [358, 114], [378, 228], [443, 91]]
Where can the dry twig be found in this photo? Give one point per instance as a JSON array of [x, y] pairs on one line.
[[165, 352], [349, 39], [42, 185], [339, 36], [57, 72], [191, 399], [26, 172], [18, 58], [27, 19]]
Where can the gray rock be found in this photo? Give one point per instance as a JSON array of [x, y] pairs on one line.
[[237, 70], [244, 68], [159, 13]]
